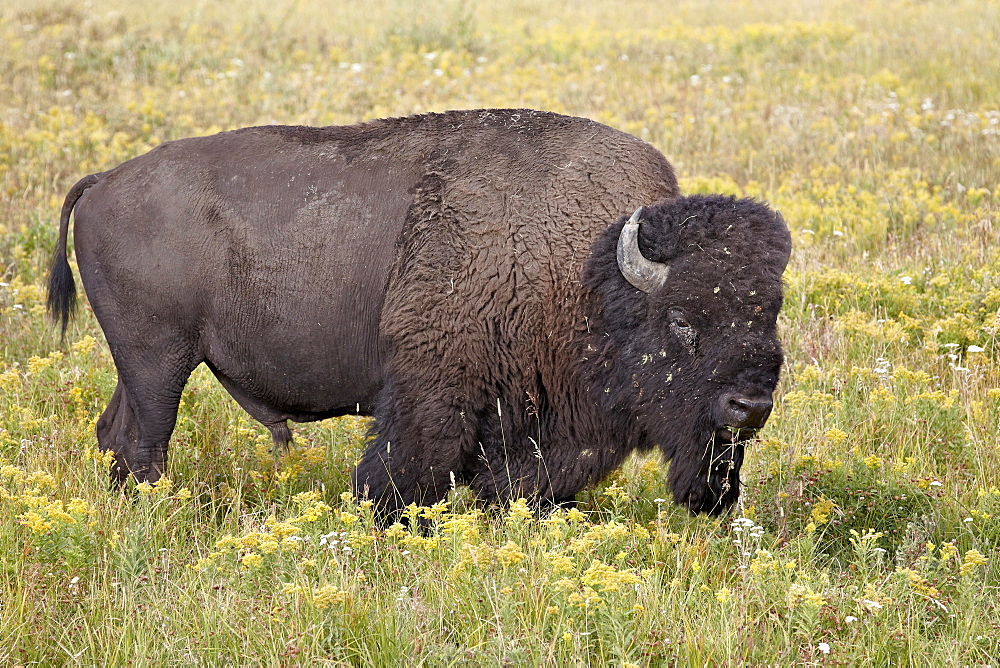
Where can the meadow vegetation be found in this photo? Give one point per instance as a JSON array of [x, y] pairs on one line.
[[869, 531]]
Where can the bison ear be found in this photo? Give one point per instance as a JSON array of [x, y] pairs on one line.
[[643, 274]]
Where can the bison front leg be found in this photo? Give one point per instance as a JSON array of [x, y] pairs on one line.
[[414, 453], [499, 478]]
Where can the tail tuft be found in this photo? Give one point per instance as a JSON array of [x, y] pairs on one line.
[[61, 300], [62, 290]]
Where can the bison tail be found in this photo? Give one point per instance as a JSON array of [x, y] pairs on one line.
[[62, 288]]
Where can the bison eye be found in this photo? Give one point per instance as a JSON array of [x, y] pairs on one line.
[[683, 330]]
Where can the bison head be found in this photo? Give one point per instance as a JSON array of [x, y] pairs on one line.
[[683, 350]]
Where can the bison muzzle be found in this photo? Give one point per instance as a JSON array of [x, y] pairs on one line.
[[520, 300]]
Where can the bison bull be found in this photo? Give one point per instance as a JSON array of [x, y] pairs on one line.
[[471, 279]]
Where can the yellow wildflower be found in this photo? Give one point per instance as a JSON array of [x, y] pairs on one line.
[[78, 507], [396, 531], [328, 595], [616, 493], [202, 564], [518, 512], [510, 554], [9, 380], [564, 583], [164, 485], [560, 562], [268, 546], [607, 577], [55, 512], [836, 436], [291, 543], [821, 510], [873, 462], [35, 522], [973, 560], [37, 364], [420, 543], [252, 560], [799, 594], [434, 512], [84, 345], [313, 512], [919, 583]]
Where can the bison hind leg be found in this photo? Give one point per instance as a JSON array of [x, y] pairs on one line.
[[136, 426], [117, 433]]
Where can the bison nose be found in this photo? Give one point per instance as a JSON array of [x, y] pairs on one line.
[[745, 412]]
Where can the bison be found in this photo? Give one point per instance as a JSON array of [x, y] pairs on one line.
[[520, 299]]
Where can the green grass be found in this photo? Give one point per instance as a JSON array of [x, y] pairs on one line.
[[869, 531]]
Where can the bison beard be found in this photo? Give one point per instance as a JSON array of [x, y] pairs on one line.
[[459, 277]]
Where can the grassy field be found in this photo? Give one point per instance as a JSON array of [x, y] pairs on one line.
[[869, 531]]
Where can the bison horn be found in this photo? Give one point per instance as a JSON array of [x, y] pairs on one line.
[[644, 274]]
